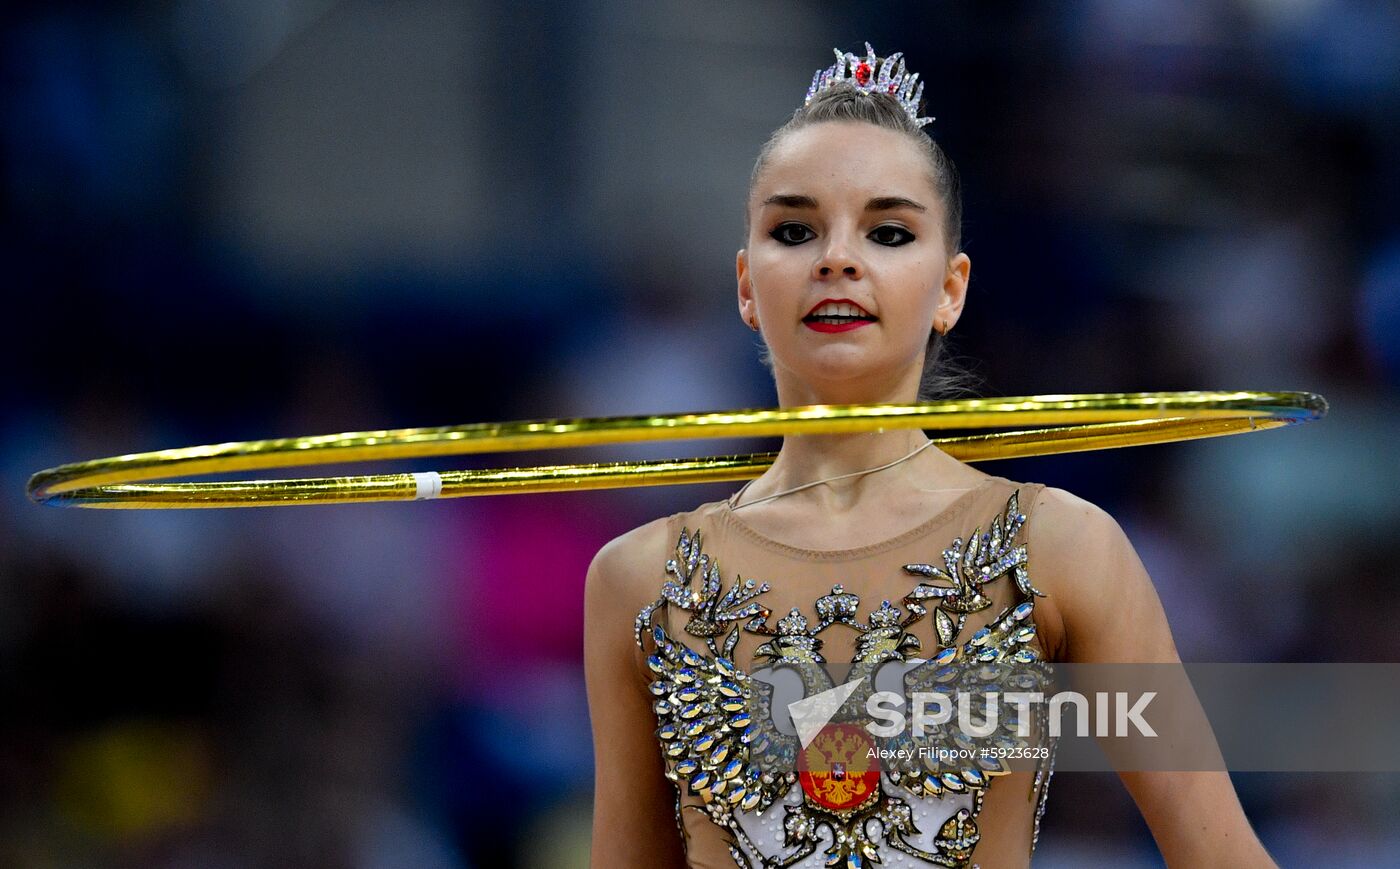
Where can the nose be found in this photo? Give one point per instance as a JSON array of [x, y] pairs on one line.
[[838, 259]]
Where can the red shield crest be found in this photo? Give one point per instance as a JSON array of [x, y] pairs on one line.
[[839, 769]]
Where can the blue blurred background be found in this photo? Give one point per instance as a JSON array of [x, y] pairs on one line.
[[238, 219]]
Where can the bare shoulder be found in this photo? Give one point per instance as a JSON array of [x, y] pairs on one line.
[[1061, 506], [1105, 605], [624, 578], [1065, 523], [629, 567], [1067, 539]]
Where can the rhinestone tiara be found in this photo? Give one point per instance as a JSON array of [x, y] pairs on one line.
[[860, 72]]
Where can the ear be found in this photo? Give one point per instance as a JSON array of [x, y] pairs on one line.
[[954, 290], [748, 306]]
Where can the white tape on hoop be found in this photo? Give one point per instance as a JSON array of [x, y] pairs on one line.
[[429, 485]]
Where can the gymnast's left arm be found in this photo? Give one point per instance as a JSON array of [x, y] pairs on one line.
[[1106, 610]]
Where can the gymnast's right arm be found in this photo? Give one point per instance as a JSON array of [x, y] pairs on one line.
[[633, 802]]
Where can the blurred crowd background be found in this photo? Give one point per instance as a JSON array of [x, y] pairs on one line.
[[238, 219]]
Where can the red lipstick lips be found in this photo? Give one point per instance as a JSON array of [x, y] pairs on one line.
[[837, 325]]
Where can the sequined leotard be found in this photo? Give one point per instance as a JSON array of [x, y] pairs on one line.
[[738, 614]]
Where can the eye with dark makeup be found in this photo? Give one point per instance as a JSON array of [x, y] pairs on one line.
[[780, 233], [902, 236], [888, 235]]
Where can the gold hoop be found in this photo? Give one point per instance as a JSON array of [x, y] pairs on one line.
[[1083, 422]]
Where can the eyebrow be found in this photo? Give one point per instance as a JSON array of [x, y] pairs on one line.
[[878, 203]]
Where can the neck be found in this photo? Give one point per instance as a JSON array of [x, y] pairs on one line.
[[806, 458]]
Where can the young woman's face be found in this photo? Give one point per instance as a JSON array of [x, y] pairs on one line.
[[846, 210]]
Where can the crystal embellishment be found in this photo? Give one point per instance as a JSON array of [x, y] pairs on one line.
[[862, 74], [827, 803]]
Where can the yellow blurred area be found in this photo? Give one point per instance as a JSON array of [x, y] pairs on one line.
[[134, 778]]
